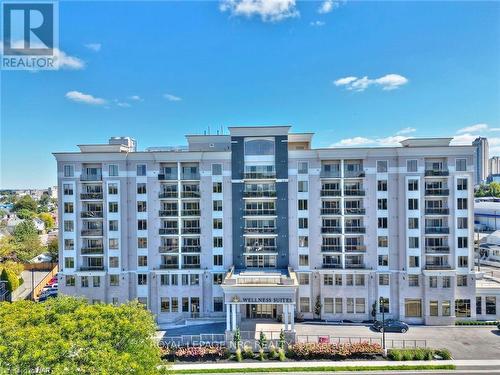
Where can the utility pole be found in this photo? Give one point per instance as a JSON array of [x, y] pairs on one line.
[[382, 305]]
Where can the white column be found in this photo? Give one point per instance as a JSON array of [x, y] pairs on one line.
[[292, 318], [233, 316], [228, 317], [285, 313]]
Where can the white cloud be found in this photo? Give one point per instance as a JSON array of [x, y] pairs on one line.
[[375, 141], [80, 97], [407, 130], [136, 98], [268, 10], [96, 47], [68, 62], [327, 6], [123, 104], [172, 98], [474, 128], [317, 23], [387, 82]]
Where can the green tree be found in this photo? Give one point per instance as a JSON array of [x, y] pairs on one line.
[[494, 189], [66, 335], [24, 214], [47, 219], [317, 306], [26, 241], [53, 249], [11, 278], [25, 202]]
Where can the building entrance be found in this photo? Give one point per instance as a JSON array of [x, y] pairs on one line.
[[257, 311]]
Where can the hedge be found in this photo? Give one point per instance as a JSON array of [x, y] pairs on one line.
[[476, 323], [195, 353], [303, 351], [418, 354]]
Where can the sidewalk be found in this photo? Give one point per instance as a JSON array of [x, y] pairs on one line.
[[461, 364]]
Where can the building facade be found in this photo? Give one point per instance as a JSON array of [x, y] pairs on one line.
[[257, 224], [482, 162]]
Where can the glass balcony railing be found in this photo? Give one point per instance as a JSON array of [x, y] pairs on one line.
[[355, 248], [259, 212], [260, 175], [190, 194], [168, 249], [167, 213], [191, 249], [90, 177], [330, 193], [92, 250], [167, 176], [169, 266], [267, 230], [332, 265], [355, 266], [191, 230], [354, 174], [168, 231], [330, 211], [331, 229], [91, 232], [354, 211], [92, 268], [91, 214], [330, 174], [331, 248], [88, 196], [437, 230], [354, 192], [437, 172], [433, 266], [437, 192], [259, 194], [443, 249], [260, 249], [437, 211], [191, 212], [167, 194], [354, 229]]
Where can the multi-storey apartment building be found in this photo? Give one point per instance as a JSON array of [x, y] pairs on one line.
[[481, 159], [257, 224]]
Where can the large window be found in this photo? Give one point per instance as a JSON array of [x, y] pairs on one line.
[[304, 304], [462, 308], [491, 305], [259, 147], [413, 308], [328, 305]]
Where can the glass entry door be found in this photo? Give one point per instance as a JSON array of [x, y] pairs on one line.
[[261, 311]]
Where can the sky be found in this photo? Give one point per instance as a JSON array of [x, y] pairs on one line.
[[355, 73]]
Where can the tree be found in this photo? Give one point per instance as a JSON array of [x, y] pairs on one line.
[[494, 189], [53, 249], [11, 278], [25, 214], [47, 219], [26, 241], [66, 335], [317, 306], [25, 202]]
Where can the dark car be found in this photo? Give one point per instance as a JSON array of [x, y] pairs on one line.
[[391, 325], [44, 297]]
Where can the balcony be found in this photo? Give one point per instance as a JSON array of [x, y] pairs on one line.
[[437, 230], [437, 211], [330, 193], [354, 211], [92, 268], [331, 230], [91, 232], [437, 192], [192, 212], [349, 229], [168, 249], [331, 248], [168, 231], [267, 230], [168, 213], [355, 248], [191, 249], [90, 177], [167, 194], [444, 266], [354, 174], [354, 192], [169, 266], [167, 176], [259, 194], [191, 230], [91, 214], [436, 172], [92, 251], [191, 266], [437, 249], [358, 266], [190, 176], [190, 194], [332, 265], [260, 249], [257, 212], [88, 196], [330, 211], [260, 175], [330, 174]]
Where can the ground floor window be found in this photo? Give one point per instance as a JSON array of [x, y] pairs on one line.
[[165, 304], [446, 308], [491, 305], [433, 308], [304, 304], [462, 308], [338, 305], [350, 305], [143, 301], [174, 304], [413, 308], [328, 305], [185, 304], [218, 304], [479, 307], [360, 305]]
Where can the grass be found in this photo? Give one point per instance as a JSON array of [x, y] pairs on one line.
[[312, 369]]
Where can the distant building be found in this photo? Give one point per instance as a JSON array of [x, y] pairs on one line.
[[52, 192], [487, 214], [481, 159], [494, 165]]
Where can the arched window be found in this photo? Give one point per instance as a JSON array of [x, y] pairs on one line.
[[259, 147]]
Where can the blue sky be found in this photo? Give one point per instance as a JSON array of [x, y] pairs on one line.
[[355, 73]]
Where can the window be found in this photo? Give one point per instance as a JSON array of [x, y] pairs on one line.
[[382, 222], [164, 304], [142, 261], [302, 186], [303, 279], [113, 207], [142, 279], [68, 171], [142, 224], [216, 169], [194, 279], [68, 208], [164, 279], [360, 280], [142, 242], [338, 279], [175, 279], [412, 185], [303, 241], [327, 279], [462, 308], [413, 223], [445, 308], [174, 307], [113, 189], [462, 223], [433, 281], [462, 242], [303, 260], [67, 189], [383, 305], [141, 188], [413, 204], [461, 280], [413, 308], [413, 242], [413, 280], [461, 184], [360, 305], [446, 281], [462, 203], [382, 185], [69, 244], [141, 206], [84, 281], [218, 304], [328, 305], [113, 170], [69, 262], [338, 305], [259, 147], [114, 280], [218, 278], [350, 305], [113, 243], [303, 222], [218, 260], [433, 308], [217, 205], [217, 187], [382, 204], [302, 167], [113, 225], [141, 169], [411, 165], [217, 241], [414, 261], [185, 304], [491, 305], [217, 223], [349, 280], [70, 280], [302, 204], [383, 260], [383, 279], [383, 241], [304, 304], [463, 261], [479, 307], [381, 166], [96, 281], [461, 165], [69, 226], [113, 262]]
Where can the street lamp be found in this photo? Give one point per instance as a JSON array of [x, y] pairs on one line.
[[382, 306]]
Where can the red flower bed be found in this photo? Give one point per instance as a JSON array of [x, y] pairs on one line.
[[332, 351], [196, 353]]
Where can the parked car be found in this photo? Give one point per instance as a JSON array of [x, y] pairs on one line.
[[48, 292], [46, 297], [52, 281], [391, 325]]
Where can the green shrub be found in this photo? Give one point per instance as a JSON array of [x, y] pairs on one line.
[[395, 355], [476, 323], [238, 356], [272, 352], [281, 355], [262, 356], [444, 353], [417, 354], [408, 355], [248, 352]]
